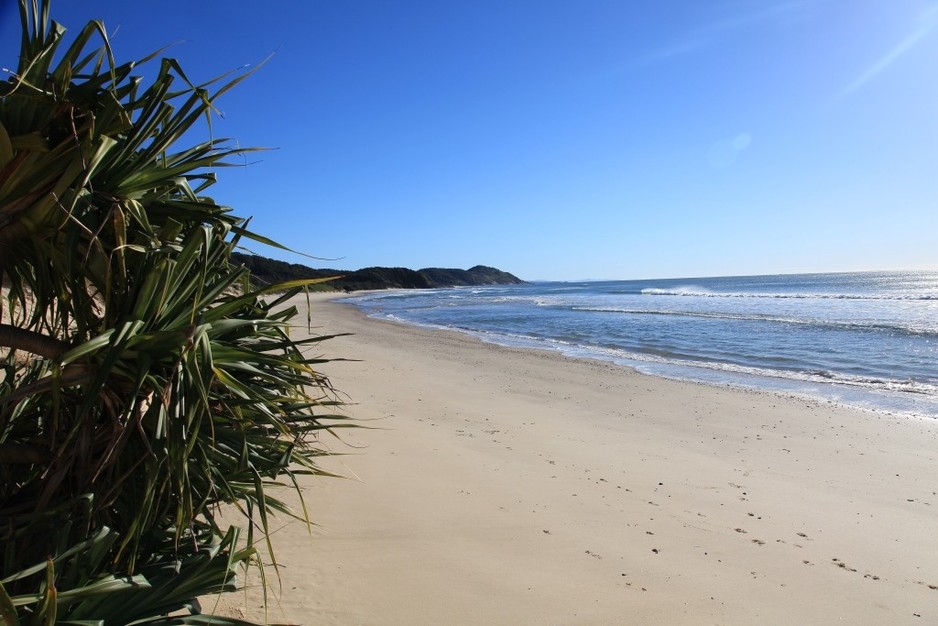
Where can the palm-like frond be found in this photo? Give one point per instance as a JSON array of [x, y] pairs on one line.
[[142, 382]]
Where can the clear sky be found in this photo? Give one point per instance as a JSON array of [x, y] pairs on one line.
[[567, 140]]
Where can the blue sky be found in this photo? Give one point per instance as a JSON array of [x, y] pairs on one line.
[[568, 140]]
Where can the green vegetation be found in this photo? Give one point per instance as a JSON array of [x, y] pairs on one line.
[[269, 271], [143, 383]]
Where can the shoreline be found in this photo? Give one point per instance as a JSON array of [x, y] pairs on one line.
[[510, 485], [839, 394]]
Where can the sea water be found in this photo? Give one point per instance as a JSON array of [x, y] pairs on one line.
[[863, 339]]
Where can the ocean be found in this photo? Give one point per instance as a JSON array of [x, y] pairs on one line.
[[866, 339]]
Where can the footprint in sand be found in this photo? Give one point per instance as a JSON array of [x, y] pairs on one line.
[[843, 565]]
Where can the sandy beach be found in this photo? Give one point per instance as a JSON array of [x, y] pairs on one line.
[[504, 486]]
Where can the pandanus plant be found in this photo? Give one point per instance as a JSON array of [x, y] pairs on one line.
[[144, 382]]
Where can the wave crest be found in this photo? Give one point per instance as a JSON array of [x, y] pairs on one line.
[[703, 293]]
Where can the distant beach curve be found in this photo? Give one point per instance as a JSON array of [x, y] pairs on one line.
[[867, 339]]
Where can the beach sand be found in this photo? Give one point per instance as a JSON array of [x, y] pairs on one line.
[[506, 486]]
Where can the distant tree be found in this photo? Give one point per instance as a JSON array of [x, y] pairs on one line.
[[269, 271], [143, 383]]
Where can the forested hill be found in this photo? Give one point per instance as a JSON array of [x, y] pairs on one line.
[[269, 271]]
